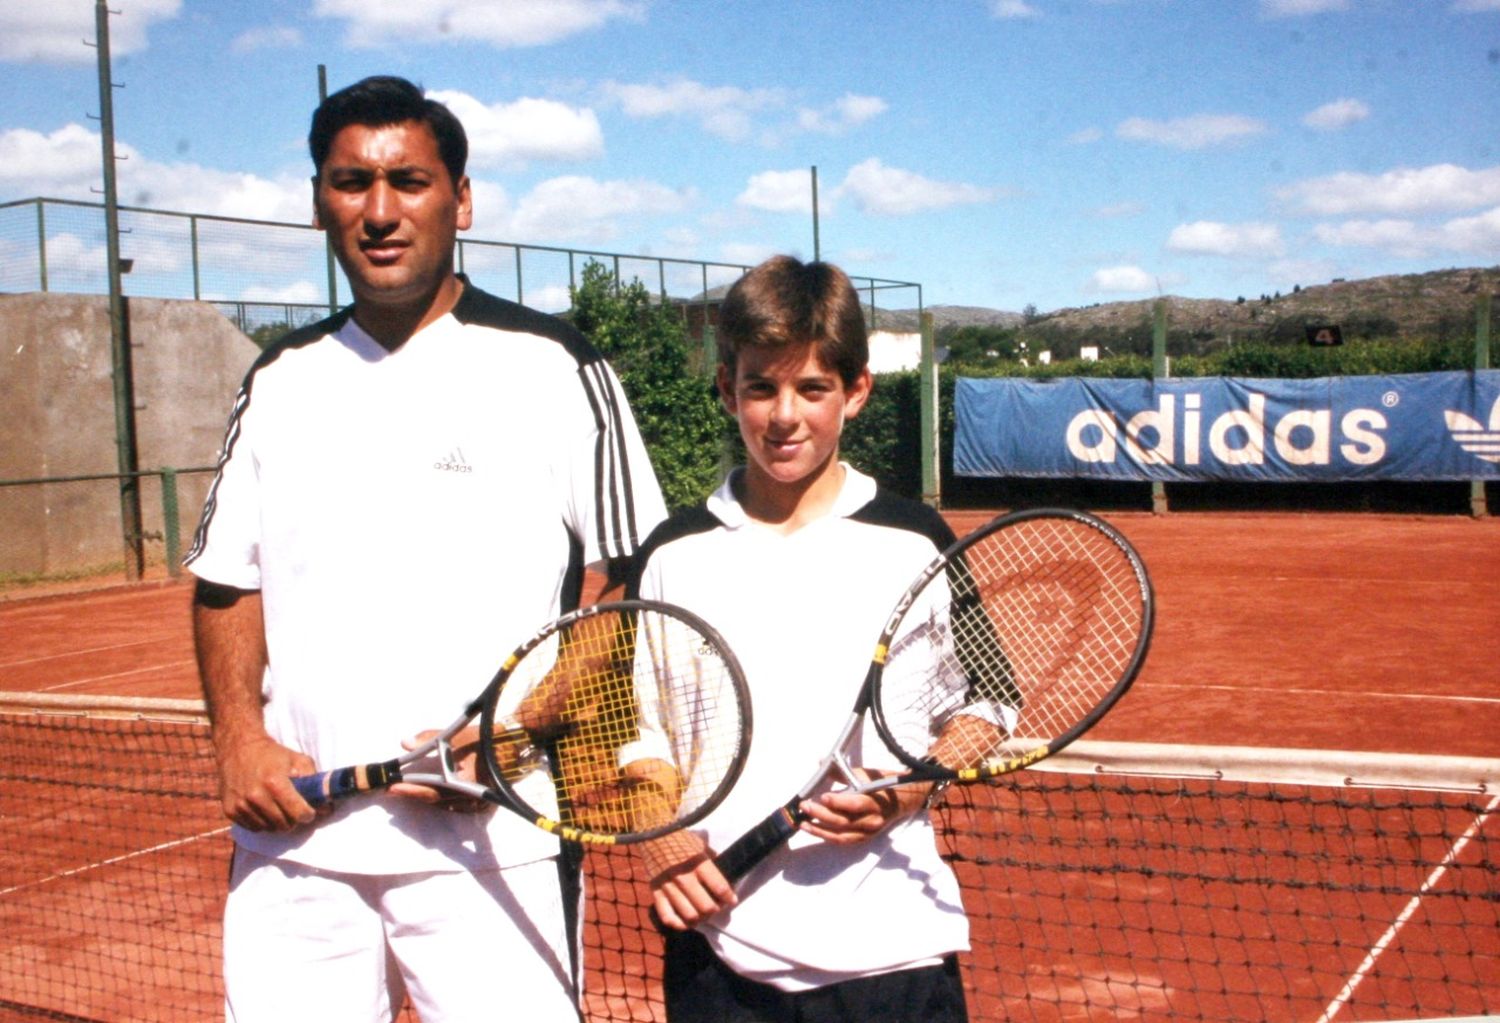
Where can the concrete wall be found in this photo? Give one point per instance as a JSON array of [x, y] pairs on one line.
[[57, 418]]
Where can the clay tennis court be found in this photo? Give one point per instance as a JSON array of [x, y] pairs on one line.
[[1360, 632], [1308, 631]]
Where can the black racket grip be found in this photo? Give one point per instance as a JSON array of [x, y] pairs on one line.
[[758, 843], [326, 786]]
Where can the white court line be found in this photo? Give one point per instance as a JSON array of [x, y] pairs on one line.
[[1343, 693], [1406, 914], [112, 860], [80, 653], [105, 678]]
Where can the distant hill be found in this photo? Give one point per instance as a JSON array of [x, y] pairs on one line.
[[948, 316], [1437, 305]]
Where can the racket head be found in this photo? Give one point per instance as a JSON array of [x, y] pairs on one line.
[[1011, 644], [641, 710]]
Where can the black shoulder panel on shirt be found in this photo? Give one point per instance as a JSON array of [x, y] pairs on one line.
[[301, 337], [685, 523], [887, 509], [480, 308]]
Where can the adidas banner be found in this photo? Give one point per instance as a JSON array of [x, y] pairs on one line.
[[1419, 426]]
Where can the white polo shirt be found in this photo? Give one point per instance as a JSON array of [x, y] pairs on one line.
[[802, 612], [409, 517]]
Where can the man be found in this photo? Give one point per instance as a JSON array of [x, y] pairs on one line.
[[406, 490]]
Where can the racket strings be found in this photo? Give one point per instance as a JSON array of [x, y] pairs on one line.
[[640, 716], [1025, 635]]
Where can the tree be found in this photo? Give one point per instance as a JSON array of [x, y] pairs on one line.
[[676, 410], [974, 344]]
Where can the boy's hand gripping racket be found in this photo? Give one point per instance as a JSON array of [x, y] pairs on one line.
[[1011, 644], [569, 698]]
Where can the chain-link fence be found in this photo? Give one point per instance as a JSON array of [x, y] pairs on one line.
[[265, 275]]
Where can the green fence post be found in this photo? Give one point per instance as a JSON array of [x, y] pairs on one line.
[[170, 530], [928, 404], [1478, 505], [1159, 371]]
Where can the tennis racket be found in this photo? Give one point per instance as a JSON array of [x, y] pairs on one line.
[[568, 701], [1009, 645]]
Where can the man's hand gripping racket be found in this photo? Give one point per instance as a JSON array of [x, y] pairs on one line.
[[1010, 645], [569, 699]]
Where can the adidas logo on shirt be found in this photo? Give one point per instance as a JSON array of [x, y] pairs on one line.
[[453, 463]]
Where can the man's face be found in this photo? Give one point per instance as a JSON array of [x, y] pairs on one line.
[[391, 212]]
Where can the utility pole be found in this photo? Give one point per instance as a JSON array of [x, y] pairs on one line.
[[126, 454]]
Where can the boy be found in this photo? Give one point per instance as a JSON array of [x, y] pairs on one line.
[[797, 559]]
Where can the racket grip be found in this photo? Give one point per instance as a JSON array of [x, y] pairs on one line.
[[756, 844], [327, 786]]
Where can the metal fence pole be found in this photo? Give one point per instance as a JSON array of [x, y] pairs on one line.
[[1159, 371], [1478, 505], [41, 239], [928, 412], [171, 531]]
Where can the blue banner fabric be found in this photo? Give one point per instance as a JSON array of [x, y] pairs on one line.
[[1417, 426]]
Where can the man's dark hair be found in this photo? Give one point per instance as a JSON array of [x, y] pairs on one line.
[[383, 100]]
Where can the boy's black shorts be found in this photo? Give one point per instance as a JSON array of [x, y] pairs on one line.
[[699, 988]]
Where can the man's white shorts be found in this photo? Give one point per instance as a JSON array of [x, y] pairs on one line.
[[305, 944]]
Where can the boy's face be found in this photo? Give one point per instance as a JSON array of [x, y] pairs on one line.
[[791, 410]]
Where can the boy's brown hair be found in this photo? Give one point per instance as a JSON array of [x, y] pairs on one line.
[[784, 302]]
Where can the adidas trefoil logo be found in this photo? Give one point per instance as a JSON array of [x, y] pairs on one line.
[[1473, 436], [453, 463]]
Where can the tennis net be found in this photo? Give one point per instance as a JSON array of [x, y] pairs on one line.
[[1118, 880]]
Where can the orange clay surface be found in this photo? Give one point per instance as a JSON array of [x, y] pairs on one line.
[[1332, 631]]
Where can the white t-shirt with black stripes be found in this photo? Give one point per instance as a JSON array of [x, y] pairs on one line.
[[409, 517], [802, 612]]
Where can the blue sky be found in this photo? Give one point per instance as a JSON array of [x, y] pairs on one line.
[[1002, 153]]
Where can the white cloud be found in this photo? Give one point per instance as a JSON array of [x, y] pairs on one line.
[[582, 209], [876, 188], [1113, 279], [1197, 132], [723, 111], [510, 134], [297, 293], [1401, 238], [1207, 238], [66, 165], [1120, 210], [53, 32], [1006, 9], [782, 192], [1336, 115], [1404, 191], [746, 254], [848, 111], [500, 23], [1300, 8], [1084, 136], [266, 38], [1477, 235], [1476, 6]]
